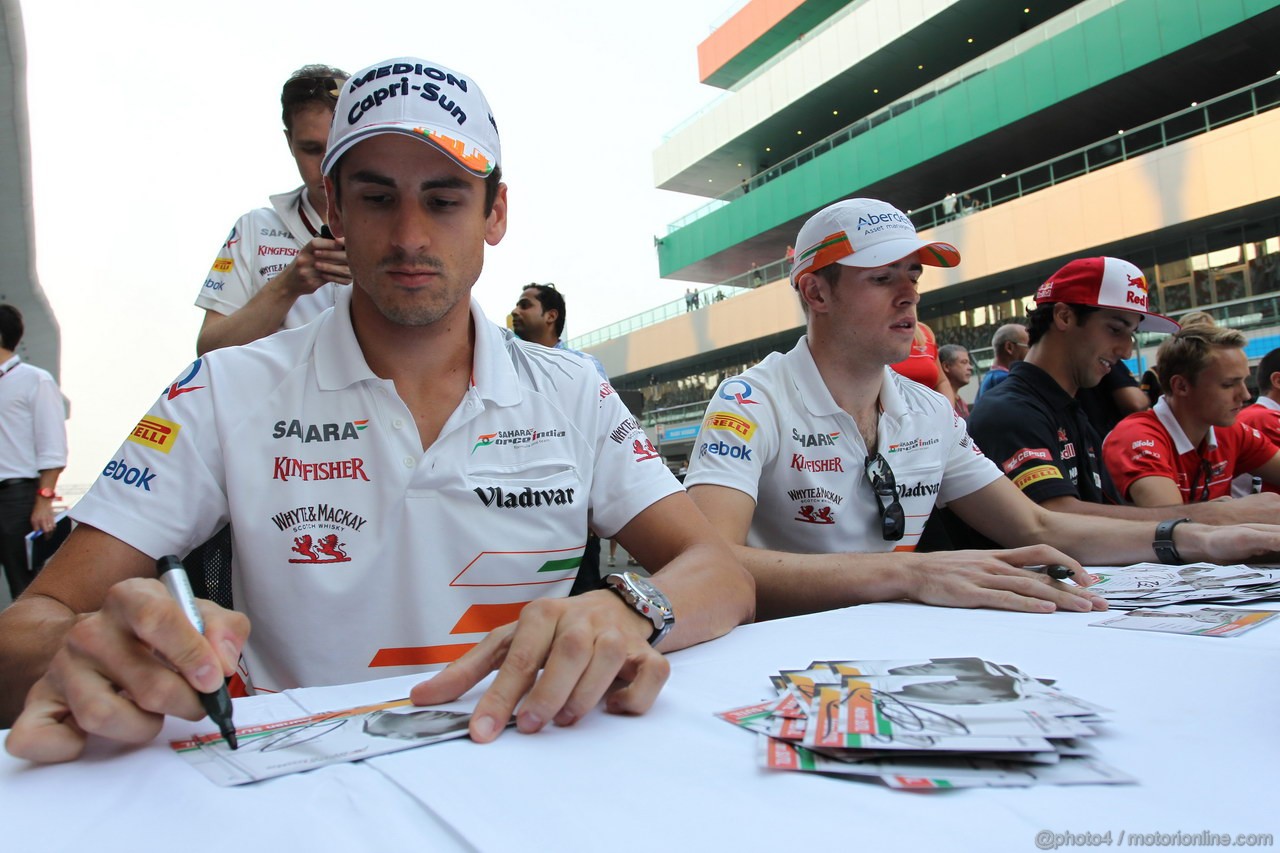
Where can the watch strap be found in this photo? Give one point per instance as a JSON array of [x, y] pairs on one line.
[[48, 494], [1166, 551]]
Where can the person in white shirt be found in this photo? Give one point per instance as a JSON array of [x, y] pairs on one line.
[[821, 466], [33, 450], [279, 267], [408, 486]]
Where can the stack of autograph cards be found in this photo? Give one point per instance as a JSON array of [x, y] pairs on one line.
[[926, 724], [1148, 585], [1201, 621]]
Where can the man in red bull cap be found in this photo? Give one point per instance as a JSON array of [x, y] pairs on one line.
[[820, 465], [1032, 424]]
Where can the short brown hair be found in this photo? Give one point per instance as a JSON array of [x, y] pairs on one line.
[[1187, 351]]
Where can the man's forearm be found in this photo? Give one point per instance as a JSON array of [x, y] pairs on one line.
[[790, 584], [262, 315], [710, 594], [31, 631]]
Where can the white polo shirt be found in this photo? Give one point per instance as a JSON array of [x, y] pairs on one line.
[[356, 554], [33, 432], [261, 244], [776, 433]]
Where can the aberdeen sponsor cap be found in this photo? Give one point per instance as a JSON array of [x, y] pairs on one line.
[[1104, 283], [416, 98], [863, 232]]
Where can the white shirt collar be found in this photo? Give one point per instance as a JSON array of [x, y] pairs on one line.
[[340, 362], [1181, 443]]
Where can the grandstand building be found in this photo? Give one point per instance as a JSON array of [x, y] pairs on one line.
[[1026, 133]]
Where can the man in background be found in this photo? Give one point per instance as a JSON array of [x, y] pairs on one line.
[[958, 370], [539, 318], [1033, 425], [33, 450], [279, 267], [1263, 415], [1008, 344], [1190, 446]]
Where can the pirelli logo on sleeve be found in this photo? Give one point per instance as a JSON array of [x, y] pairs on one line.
[[224, 265], [155, 433], [732, 423], [1037, 474]]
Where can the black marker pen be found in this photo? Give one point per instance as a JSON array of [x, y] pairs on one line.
[[218, 703], [1060, 573]]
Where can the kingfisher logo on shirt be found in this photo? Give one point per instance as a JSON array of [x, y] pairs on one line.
[[156, 433], [307, 433], [288, 468], [817, 466]]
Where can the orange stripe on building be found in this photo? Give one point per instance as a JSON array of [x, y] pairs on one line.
[[483, 618], [748, 24], [420, 655]]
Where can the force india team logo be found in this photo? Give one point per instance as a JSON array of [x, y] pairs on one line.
[[526, 437]]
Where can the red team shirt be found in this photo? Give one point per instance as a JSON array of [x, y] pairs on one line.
[[1264, 416], [1152, 444]]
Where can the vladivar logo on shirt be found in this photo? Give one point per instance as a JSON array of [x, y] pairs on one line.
[[527, 498]]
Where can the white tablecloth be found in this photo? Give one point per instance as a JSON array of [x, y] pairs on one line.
[[1194, 719]]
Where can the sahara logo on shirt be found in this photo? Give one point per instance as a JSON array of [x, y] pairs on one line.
[[319, 432], [156, 433], [737, 390], [814, 439]]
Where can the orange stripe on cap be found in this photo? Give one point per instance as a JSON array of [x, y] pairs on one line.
[[940, 255], [831, 249], [420, 655], [483, 618]]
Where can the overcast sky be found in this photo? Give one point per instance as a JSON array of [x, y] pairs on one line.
[[155, 124]]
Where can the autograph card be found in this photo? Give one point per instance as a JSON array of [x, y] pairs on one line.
[[1203, 621], [305, 743]]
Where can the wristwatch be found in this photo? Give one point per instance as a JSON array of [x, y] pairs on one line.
[[47, 494], [647, 600], [1163, 545]]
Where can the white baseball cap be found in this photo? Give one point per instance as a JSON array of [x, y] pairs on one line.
[[863, 232], [417, 98]]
